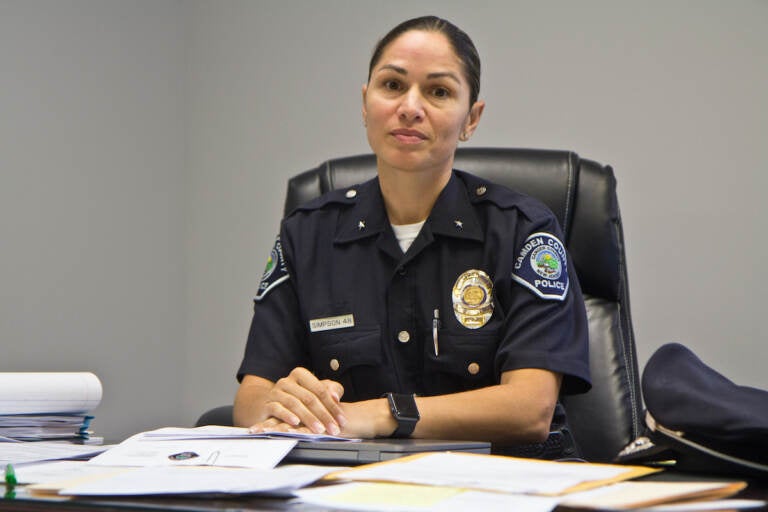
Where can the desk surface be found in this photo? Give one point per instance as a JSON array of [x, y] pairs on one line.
[[757, 490]]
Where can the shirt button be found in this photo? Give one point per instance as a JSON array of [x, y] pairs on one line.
[[473, 368], [481, 190], [351, 193], [403, 337], [334, 364]]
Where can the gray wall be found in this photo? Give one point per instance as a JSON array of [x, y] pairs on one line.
[[93, 198], [146, 145]]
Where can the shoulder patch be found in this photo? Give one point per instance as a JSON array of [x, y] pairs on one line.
[[542, 266], [275, 272]]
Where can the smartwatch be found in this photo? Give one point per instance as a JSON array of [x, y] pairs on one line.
[[405, 412]]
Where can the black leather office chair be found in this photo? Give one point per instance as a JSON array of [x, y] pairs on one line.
[[582, 194]]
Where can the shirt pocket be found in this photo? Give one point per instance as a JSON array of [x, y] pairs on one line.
[[346, 356], [465, 361]]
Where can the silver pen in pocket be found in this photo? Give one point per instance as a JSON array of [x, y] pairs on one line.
[[435, 327]]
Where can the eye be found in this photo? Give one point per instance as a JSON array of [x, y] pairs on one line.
[[441, 92], [392, 85]]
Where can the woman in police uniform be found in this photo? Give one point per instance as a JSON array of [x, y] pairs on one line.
[[426, 302]]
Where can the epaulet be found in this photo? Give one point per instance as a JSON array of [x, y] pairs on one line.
[[481, 190], [342, 197]]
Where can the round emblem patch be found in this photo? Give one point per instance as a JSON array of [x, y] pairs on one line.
[[472, 299], [546, 262]]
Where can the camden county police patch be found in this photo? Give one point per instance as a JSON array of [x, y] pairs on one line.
[[275, 272], [542, 266]]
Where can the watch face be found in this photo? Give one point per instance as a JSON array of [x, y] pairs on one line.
[[406, 406]]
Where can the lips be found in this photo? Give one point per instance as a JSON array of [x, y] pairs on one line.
[[408, 136]]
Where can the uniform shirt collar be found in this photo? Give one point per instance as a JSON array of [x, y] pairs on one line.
[[452, 215], [367, 217]]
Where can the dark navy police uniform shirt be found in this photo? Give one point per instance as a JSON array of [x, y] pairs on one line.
[[339, 297]]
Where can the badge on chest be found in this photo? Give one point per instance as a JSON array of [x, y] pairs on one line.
[[472, 297]]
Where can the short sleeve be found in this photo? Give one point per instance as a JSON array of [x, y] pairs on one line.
[[545, 323], [276, 339]]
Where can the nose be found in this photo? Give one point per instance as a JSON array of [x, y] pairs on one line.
[[411, 107]]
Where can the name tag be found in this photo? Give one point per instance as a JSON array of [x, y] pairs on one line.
[[332, 322]]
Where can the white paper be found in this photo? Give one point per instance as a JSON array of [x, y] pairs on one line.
[[195, 480], [24, 453], [700, 506], [57, 470], [51, 392], [247, 453], [383, 497], [488, 473]]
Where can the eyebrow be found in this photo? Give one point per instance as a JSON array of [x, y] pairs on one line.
[[403, 71]]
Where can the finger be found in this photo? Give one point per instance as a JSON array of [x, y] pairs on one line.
[[336, 391], [290, 401], [334, 388], [327, 391], [276, 409], [264, 426], [279, 426], [306, 406], [320, 399], [324, 402]]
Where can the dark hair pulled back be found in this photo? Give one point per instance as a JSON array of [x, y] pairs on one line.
[[460, 41]]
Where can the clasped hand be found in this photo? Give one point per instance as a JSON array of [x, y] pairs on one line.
[[300, 402]]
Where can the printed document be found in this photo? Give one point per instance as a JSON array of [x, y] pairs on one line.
[[199, 480], [494, 473], [245, 453]]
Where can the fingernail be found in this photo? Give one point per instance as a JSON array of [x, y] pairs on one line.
[[334, 429], [318, 428], [341, 420]]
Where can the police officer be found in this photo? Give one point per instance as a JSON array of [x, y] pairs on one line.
[[426, 302]]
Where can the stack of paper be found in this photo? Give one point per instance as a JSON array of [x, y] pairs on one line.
[[460, 481], [36, 406], [215, 460], [204, 460]]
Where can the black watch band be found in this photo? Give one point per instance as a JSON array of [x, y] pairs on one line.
[[405, 412]]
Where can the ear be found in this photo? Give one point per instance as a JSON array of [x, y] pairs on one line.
[[473, 119], [364, 110]]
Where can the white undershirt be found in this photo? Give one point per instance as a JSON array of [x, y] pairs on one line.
[[406, 234]]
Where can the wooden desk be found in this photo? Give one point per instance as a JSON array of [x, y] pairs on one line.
[[757, 490]]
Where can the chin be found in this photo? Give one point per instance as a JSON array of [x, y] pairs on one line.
[[406, 157]]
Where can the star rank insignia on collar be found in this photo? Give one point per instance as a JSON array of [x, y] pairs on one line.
[[458, 224], [361, 225]]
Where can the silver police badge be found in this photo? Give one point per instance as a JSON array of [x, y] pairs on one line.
[[473, 299]]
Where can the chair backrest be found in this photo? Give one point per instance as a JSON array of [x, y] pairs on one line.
[[582, 194]]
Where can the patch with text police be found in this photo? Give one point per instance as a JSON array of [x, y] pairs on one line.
[[542, 266], [275, 272]]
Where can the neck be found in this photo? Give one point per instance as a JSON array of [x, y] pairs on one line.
[[408, 195]]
